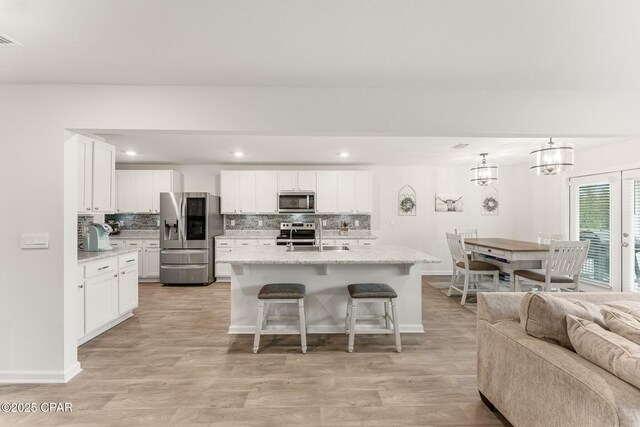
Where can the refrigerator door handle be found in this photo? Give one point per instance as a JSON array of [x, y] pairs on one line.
[[182, 221]]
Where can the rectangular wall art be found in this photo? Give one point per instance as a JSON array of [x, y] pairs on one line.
[[449, 202]]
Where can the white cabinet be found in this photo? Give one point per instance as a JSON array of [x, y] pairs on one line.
[[126, 191], [80, 300], [96, 176], [139, 190], [327, 192], [223, 246], [143, 195], [354, 192], [127, 289], [238, 192], [85, 167], [247, 194], [101, 301], [297, 181], [266, 192], [151, 263]]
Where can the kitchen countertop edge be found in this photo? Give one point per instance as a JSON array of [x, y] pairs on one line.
[[87, 257]]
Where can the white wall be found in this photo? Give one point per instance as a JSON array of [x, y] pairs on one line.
[[37, 286]]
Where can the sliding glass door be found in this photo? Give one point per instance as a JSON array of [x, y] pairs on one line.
[[631, 230], [595, 216]]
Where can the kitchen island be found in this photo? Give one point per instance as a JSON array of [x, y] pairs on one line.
[[326, 275]]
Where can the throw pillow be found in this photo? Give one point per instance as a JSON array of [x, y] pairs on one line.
[[610, 351], [629, 307], [622, 324], [544, 316]]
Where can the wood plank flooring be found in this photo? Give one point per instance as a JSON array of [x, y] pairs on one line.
[[173, 363]]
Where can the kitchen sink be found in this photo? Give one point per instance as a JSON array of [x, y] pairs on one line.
[[317, 248]]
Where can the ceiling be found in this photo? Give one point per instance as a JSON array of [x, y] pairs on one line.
[[204, 148], [493, 44]]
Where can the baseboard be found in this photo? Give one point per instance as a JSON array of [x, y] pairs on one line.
[[40, 377], [324, 329], [436, 273]]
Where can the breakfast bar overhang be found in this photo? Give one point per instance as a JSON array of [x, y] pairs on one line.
[[326, 275]]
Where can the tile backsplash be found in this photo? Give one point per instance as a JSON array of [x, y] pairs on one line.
[[272, 222], [136, 221], [83, 221]]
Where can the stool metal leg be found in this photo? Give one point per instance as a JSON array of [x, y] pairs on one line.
[[259, 320], [396, 325], [352, 328], [303, 325]]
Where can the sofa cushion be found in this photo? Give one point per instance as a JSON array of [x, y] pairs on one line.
[[544, 316], [622, 324], [629, 307], [606, 349]]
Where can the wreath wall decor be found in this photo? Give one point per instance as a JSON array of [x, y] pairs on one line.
[[407, 201], [490, 204]]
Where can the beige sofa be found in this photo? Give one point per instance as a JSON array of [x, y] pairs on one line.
[[536, 383]]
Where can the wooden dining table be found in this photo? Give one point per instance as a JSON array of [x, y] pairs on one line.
[[509, 255]]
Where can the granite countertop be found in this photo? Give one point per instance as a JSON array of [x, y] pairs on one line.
[[86, 257], [380, 254], [272, 234], [136, 235]]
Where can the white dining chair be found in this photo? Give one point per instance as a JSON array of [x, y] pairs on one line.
[[563, 267], [470, 268], [468, 233], [547, 238]]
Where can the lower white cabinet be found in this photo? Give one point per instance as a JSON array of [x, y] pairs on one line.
[[128, 290], [151, 263], [107, 293], [100, 301]]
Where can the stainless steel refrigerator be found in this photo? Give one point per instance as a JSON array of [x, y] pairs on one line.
[[188, 224]]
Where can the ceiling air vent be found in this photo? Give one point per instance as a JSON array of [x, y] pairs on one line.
[[6, 41], [459, 146]]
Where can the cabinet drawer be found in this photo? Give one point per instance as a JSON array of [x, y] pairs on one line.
[[347, 242], [118, 243], [128, 260], [151, 244], [266, 242], [489, 251], [246, 242], [329, 242], [225, 243], [135, 243], [366, 242], [98, 268]]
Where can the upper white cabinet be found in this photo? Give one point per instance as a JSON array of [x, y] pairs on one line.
[[327, 192], [297, 181], [96, 176], [267, 192], [354, 192], [245, 192], [139, 190]]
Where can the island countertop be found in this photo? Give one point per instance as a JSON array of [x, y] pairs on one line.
[[381, 254], [86, 257]]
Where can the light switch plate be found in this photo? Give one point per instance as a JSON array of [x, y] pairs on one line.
[[259, 223], [357, 223], [324, 222], [34, 241]]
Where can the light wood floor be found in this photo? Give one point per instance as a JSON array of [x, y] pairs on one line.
[[173, 363]]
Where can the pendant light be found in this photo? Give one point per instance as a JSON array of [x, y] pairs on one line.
[[484, 173], [552, 158]]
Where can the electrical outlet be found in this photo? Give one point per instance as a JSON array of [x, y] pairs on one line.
[[233, 223], [324, 222], [392, 223], [259, 223], [357, 223]]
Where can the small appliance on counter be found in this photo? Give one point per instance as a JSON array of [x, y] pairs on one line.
[[344, 230], [96, 239], [115, 226]]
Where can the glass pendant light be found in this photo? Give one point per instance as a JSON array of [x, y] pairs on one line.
[[484, 173], [552, 158]]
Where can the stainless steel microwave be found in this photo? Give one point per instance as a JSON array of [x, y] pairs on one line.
[[297, 202]]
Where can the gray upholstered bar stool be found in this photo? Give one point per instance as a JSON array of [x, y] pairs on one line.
[[377, 293], [280, 293]]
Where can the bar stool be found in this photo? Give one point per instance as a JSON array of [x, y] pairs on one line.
[[280, 293], [372, 292]]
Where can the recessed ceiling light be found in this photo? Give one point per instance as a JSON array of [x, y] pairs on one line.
[[344, 154], [130, 153], [238, 154]]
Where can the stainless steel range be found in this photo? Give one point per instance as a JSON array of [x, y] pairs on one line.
[[297, 233]]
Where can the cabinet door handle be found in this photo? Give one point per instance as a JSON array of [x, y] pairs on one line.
[[131, 260], [88, 209], [102, 268], [95, 209], [123, 273], [115, 275], [81, 286]]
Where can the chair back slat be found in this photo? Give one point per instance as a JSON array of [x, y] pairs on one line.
[[548, 238], [567, 257], [468, 233], [457, 248]]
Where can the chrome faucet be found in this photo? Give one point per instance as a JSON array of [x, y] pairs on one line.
[[320, 235], [290, 242]]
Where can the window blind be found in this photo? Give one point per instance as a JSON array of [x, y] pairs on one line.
[[593, 223]]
